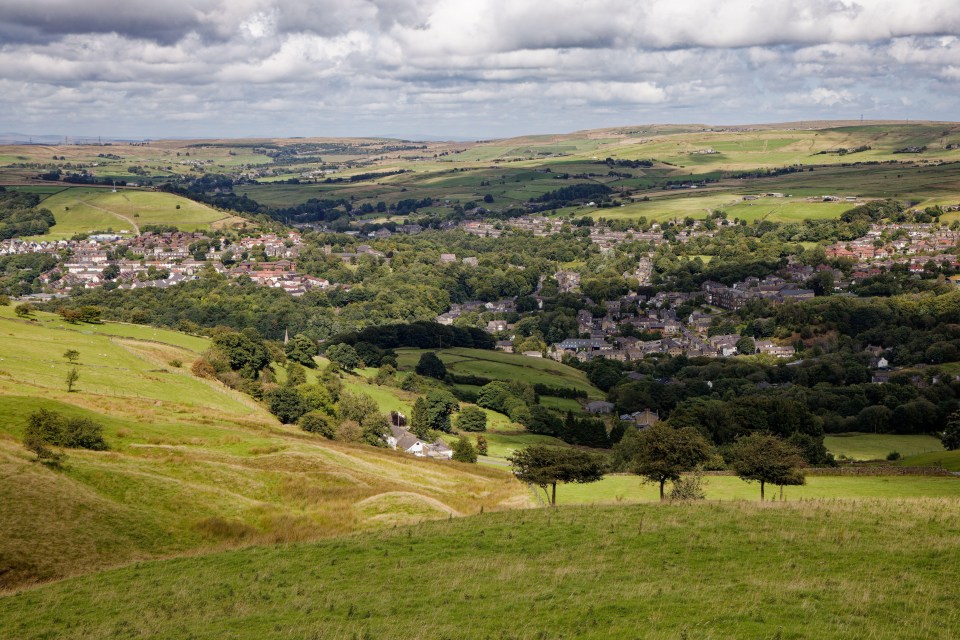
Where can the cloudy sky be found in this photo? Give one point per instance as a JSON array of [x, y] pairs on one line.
[[466, 68]]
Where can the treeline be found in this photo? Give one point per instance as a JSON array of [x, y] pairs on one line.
[[419, 335], [633, 164], [559, 197]]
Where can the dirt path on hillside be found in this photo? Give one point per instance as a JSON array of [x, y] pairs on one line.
[[136, 227]]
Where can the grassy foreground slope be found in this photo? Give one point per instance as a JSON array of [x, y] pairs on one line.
[[192, 464], [799, 571]]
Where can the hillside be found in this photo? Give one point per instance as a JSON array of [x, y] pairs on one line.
[[736, 570], [87, 210], [192, 464]]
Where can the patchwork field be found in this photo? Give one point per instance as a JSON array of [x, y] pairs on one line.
[[805, 571]]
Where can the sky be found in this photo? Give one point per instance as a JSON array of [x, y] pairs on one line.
[[466, 69]]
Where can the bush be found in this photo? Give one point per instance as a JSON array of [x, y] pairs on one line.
[[318, 422], [894, 456], [689, 487], [472, 419], [202, 368], [463, 451], [176, 364], [50, 429]]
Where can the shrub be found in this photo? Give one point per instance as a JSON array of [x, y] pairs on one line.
[[894, 456], [202, 368], [689, 487], [50, 429], [463, 451], [472, 419], [349, 431], [176, 364], [318, 422]]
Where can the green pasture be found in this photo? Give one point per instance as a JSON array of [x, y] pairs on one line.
[[497, 365], [630, 488], [949, 460], [84, 210], [819, 570], [876, 446]]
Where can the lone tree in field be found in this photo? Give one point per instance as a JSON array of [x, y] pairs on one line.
[[72, 355], [72, 376], [23, 310], [763, 457], [546, 466], [663, 453], [431, 366]]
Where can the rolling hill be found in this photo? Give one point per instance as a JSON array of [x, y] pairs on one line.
[[815, 570], [192, 465]]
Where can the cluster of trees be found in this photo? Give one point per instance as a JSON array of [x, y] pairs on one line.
[[20, 215], [662, 454], [20, 272]]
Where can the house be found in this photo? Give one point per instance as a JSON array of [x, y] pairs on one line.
[[505, 345], [641, 419], [599, 407], [402, 440], [448, 258]]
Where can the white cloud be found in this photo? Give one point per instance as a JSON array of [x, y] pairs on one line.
[[489, 67]]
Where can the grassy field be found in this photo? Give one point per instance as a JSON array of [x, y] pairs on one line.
[[192, 465], [83, 210], [497, 365], [630, 488], [803, 571], [949, 460], [875, 446]]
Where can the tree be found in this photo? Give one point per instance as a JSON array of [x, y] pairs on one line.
[[344, 355], [546, 466], [440, 406], [463, 451], [301, 349], [763, 457], [472, 419], [746, 346], [245, 352], [482, 445], [663, 453], [419, 420], [431, 366], [72, 376], [72, 355], [23, 310], [951, 434], [285, 403]]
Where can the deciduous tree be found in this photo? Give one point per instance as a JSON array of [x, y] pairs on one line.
[[663, 453], [546, 466], [763, 457]]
